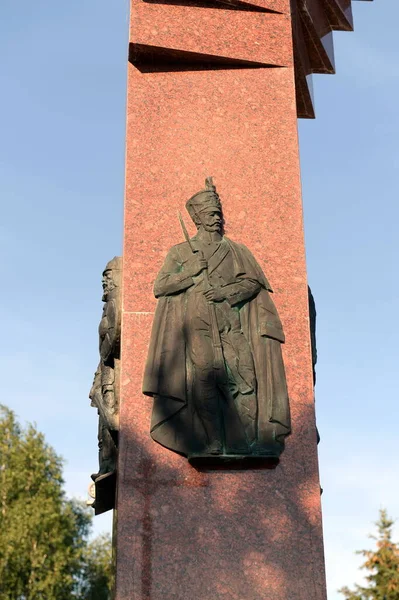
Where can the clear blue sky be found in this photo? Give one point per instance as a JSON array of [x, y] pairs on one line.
[[62, 120]]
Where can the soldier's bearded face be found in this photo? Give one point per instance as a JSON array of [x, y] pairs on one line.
[[212, 220], [107, 283]]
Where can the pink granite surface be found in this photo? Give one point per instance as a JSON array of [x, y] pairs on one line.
[[230, 33], [182, 533]]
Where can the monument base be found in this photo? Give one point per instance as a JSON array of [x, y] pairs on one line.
[[105, 486], [233, 461]]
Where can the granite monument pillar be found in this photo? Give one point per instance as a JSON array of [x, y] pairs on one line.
[[215, 88]]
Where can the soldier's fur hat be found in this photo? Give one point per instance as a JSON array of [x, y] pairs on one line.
[[114, 265], [205, 199]]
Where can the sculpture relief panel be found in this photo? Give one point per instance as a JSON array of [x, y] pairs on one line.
[[215, 368], [104, 393]]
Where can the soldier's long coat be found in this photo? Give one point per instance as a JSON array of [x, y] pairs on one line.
[[174, 423]]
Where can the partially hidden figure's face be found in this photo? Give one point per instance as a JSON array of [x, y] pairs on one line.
[[212, 220], [107, 283]]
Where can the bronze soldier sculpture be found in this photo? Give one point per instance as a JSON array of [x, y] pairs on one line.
[[215, 367], [104, 394]]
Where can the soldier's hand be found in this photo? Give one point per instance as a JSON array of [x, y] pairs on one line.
[[196, 265], [214, 294]]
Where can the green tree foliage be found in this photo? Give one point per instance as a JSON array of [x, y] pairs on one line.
[[97, 576], [44, 553], [382, 564]]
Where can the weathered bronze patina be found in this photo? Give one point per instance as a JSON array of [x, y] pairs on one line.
[[104, 393], [215, 367]]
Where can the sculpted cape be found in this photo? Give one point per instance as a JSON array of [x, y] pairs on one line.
[[175, 423]]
